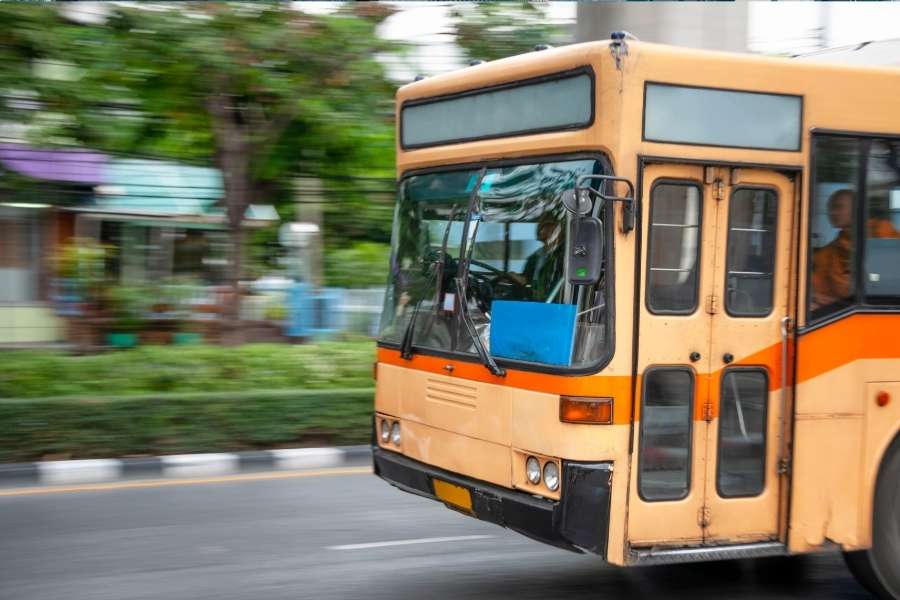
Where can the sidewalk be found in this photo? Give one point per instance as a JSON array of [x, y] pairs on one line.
[[67, 472]]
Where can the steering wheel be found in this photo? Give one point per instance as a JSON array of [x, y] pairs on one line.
[[487, 284]]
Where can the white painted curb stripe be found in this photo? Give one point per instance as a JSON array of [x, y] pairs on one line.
[[62, 472], [199, 465], [308, 458], [434, 540]]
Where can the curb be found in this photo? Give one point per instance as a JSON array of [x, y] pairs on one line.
[[68, 472]]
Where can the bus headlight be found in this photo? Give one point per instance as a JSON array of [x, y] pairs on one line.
[[395, 433], [551, 476], [533, 470], [385, 431]]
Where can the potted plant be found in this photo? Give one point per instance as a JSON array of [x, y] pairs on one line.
[[179, 295], [125, 307]]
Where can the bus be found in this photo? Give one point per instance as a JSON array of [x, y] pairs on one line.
[[644, 302]]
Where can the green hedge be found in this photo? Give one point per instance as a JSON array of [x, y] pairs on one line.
[[167, 369], [95, 427]]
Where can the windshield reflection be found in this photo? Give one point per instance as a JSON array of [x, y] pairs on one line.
[[513, 237]]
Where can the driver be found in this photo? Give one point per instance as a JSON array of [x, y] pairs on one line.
[[545, 265]]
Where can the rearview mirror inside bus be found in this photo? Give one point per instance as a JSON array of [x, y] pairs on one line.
[[585, 251]]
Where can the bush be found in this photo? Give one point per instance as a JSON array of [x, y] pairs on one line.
[[92, 427], [192, 368], [361, 265], [171, 399]]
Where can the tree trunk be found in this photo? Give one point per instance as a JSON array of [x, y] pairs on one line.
[[233, 157]]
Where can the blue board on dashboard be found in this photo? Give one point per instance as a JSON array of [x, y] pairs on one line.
[[533, 331]]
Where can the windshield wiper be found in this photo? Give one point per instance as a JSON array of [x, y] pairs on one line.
[[485, 356], [406, 343], [439, 270]]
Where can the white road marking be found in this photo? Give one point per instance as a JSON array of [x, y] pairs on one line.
[[434, 540]]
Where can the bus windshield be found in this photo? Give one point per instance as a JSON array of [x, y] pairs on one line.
[[496, 234]]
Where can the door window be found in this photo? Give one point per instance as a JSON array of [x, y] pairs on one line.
[[741, 465], [666, 418], [750, 260], [674, 248]]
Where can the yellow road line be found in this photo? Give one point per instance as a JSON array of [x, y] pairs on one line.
[[137, 484]]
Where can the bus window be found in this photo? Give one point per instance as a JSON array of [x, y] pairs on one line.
[[882, 270], [832, 225], [665, 451], [751, 252], [674, 248], [741, 465]]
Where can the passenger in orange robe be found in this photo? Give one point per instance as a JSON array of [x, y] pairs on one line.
[[831, 263]]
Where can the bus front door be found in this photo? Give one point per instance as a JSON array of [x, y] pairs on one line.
[[716, 266]]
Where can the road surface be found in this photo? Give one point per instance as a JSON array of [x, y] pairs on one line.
[[330, 535]]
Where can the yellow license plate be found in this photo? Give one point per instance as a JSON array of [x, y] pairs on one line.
[[453, 494]]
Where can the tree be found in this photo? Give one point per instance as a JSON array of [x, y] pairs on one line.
[[261, 90], [492, 30]]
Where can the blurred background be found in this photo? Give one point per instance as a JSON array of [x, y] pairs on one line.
[[197, 198]]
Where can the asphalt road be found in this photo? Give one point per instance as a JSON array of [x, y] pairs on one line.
[[300, 537]]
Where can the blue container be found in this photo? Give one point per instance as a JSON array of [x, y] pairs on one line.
[[533, 331], [314, 313]]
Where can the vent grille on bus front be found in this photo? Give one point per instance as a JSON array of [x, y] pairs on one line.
[[451, 392]]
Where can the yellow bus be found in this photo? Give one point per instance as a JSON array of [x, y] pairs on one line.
[[643, 303]]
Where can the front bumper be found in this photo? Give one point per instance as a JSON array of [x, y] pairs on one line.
[[579, 521]]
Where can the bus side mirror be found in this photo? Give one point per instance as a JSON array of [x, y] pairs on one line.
[[585, 250]]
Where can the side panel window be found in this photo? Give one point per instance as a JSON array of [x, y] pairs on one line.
[[751, 252], [665, 449], [882, 242], [833, 225], [741, 464], [674, 248]]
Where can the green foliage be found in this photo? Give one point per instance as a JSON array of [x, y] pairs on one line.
[[127, 305], [82, 262], [144, 81], [186, 369], [94, 427], [361, 265], [262, 90], [158, 399], [492, 30]]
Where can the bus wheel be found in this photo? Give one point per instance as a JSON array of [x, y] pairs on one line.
[[878, 568]]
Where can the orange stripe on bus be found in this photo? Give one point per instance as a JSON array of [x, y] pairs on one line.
[[613, 386], [863, 336], [852, 338]]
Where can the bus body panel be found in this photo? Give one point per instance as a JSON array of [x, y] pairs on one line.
[[489, 434], [841, 432]]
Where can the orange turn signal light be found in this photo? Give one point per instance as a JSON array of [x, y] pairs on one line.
[[583, 409], [883, 399]]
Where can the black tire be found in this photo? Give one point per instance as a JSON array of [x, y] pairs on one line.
[[878, 568]]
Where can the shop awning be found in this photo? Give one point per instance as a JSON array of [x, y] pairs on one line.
[[73, 165], [157, 187]]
